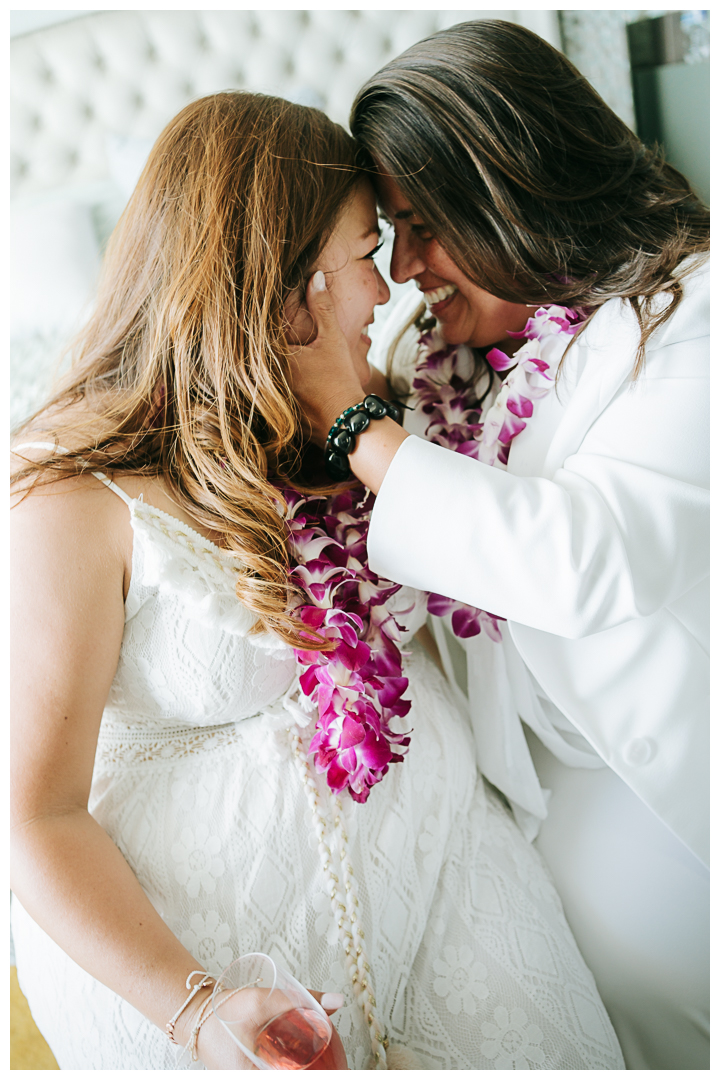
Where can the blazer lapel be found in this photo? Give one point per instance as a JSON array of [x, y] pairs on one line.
[[609, 345]]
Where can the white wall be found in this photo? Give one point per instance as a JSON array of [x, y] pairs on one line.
[[684, 100]]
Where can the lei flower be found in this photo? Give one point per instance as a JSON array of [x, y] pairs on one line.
[[357, 685], [451, 405], [450, 402]]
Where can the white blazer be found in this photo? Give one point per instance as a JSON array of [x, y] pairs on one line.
[[594, 545]]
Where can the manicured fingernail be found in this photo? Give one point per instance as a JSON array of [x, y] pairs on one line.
[[332, 1001], [319, 281]]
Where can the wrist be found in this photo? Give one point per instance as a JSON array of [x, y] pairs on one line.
[[375, 451], [189, 1017], [348, 427], [335, 405]]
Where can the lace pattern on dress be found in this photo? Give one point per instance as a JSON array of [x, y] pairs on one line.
[[473, 965], [121, 745], [178, 560]]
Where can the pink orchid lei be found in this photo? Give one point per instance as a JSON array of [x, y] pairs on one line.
[[357, 686], [451, 405]]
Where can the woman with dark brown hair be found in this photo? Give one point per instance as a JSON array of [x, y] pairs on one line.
[[191, 604], [563, 339]]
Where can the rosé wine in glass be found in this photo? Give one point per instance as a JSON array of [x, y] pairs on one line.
[[297, 1039], [274, 1020]]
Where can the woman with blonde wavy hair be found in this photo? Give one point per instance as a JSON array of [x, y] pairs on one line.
[[205, 671]]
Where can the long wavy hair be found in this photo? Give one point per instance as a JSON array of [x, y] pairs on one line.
[[183, 370], [533, 185]]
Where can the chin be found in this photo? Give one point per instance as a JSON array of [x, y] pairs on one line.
[[452, 335]]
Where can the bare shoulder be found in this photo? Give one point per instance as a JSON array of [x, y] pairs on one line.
[[67, 611], [74, 523]]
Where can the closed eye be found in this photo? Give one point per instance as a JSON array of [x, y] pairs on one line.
[[421, 231], [373, 253]]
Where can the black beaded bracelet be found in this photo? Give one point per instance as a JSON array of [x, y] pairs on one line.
[[342, 435]]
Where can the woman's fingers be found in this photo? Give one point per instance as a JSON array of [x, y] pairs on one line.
[[322, 309], [323, 376], [330, 1002], [320, 305]]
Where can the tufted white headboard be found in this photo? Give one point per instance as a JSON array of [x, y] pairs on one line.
[[129, 72], [88, 96]]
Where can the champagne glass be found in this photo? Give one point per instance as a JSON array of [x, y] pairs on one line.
[[274, 1020]]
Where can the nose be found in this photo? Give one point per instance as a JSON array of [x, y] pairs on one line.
[[406, 262], [383, 290]]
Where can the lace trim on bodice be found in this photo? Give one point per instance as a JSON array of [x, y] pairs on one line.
[[176, 559], [127, 744]]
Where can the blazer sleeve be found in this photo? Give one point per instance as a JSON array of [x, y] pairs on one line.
[[617, 532]]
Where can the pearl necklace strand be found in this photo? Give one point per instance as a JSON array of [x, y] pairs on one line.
[[347, 915]]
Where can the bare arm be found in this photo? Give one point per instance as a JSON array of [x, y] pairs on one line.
[[67, 624], [378, 384], [70, 550]]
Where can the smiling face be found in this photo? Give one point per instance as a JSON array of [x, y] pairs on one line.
[[466, 313], [353, 281]]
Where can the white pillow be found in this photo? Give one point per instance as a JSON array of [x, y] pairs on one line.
[[55, 260]]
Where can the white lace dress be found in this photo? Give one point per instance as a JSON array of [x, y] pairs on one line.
[[196, 781]]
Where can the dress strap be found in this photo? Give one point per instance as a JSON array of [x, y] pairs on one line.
[[99, 475]]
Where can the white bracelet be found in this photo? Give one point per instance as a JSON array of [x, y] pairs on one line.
[[201, 1016], [207, 980]]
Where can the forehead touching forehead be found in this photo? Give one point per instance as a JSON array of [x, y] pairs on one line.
[[356, 230], [394, 205], [358, 220]]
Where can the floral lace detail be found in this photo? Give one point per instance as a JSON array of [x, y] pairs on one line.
[[198, 854], [511, 1042], [461, 980], [206, 938], [196, 785]]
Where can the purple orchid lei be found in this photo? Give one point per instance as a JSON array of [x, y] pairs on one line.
[[357, 684], [451, 406]]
